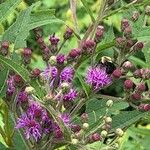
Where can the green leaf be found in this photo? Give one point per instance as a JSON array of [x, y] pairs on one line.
[[16, 67], [18, 32], [7, 7], [3, 78], [23, 73], [85, 87], [126, 118], [97, 108], [43, 17]]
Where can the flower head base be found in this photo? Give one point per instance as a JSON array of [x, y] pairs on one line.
[[97, 77]]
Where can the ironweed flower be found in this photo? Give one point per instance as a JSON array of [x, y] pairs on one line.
[[97, 77], [31, 126]]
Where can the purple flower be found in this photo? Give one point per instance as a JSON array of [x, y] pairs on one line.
[[67, 74], [60, 58], [65, 118], [31, 126], [97, 77], [71, 95], [10, 86]]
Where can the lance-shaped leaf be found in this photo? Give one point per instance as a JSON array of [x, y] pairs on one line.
[[7, 7], [10, 64]]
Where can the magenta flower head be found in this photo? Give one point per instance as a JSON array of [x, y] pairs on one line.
[[32, 127], [60, 58], [22, 97], [35, 110], [67, 74], [71, 95], [54, 40], [97, 77]]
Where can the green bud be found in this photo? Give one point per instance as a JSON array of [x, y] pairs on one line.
[[104, 133], [85, 126], [53, 60], [119, 132], [108, 120], [29, 90], [109, 103], [74, 141]]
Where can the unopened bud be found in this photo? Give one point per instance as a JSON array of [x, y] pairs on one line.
[[138, 46], [128, 84], [117, 73], [29, 90], [53, 60], [74, 141], [84, 117], [119, 132], [128, 66], [75, 128], [135, 15], [136, 96], [46, 53], [104, 133], [68, 33], [85, 126], [18, 80], [128, 32], [137, 73], [109, 103], [124, 24], [74, 53], [96, 137], [108, 120], [120, 42], [4, 48], [147, 10], [35, 73], [141, 87], [88, 46], [99, 34]]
